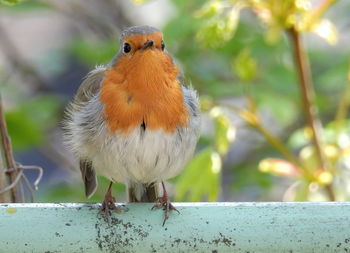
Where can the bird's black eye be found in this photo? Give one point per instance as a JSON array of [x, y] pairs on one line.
[[126, 48], [162, 45]]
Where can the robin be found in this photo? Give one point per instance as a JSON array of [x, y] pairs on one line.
[[133, 121]]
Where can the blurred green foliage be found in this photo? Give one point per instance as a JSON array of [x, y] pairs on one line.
[[224, 134], [31, 119], [74, 192], [202, 174], [9, 2], [91, 54], [24, 6], [245, 66], [260, 61]]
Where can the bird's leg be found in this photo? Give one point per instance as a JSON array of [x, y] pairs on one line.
[[108, 204], [163, 202]]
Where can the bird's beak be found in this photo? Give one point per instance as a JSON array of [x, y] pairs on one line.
[[148, 44]]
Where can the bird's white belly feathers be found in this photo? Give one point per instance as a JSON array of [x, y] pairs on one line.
[[143, 156]]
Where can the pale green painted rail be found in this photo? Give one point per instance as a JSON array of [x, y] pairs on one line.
[[201, 227]]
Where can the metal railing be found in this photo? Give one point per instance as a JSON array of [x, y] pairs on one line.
[[200, 227]]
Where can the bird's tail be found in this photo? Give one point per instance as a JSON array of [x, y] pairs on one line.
[[138, 192]]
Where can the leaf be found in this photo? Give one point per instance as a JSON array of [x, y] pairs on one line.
[[9, 2], [201, 177], [298, 139], [210, 9], [302, 192], [245, 66], [326, 30], [273, 34], [219, 29], [278, 167], [225, 133]]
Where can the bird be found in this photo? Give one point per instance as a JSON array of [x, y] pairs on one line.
[[134, 121]]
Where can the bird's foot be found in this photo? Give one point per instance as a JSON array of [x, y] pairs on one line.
[[107, 206], [163, 202]]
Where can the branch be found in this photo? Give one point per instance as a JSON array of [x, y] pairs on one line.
[[3, 197], [253, 120], [316, 13], [13, 184], [308, 99], [322, 8], [23, 177], [7, 151], [343, 106]]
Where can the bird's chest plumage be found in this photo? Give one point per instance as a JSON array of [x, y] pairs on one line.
[[148, 93]]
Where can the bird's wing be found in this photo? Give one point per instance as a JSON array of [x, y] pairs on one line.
[[86, 91], [91, 85], [190, 96], [191, 100], [89, 176]]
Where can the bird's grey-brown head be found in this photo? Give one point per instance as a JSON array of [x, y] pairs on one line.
[[145, 29], [137, 39]]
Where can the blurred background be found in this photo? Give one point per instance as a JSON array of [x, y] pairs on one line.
[[256, 142]]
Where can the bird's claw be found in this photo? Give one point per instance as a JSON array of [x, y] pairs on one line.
[[107, 206], [163, 202]]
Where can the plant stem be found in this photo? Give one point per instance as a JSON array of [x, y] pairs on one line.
[[7, 151], [343, 106], [252, 119], [278, 145], [318, 12], [308, 99], [3, 197], [322, 7]]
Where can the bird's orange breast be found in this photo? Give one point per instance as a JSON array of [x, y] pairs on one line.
[[143, 89]]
